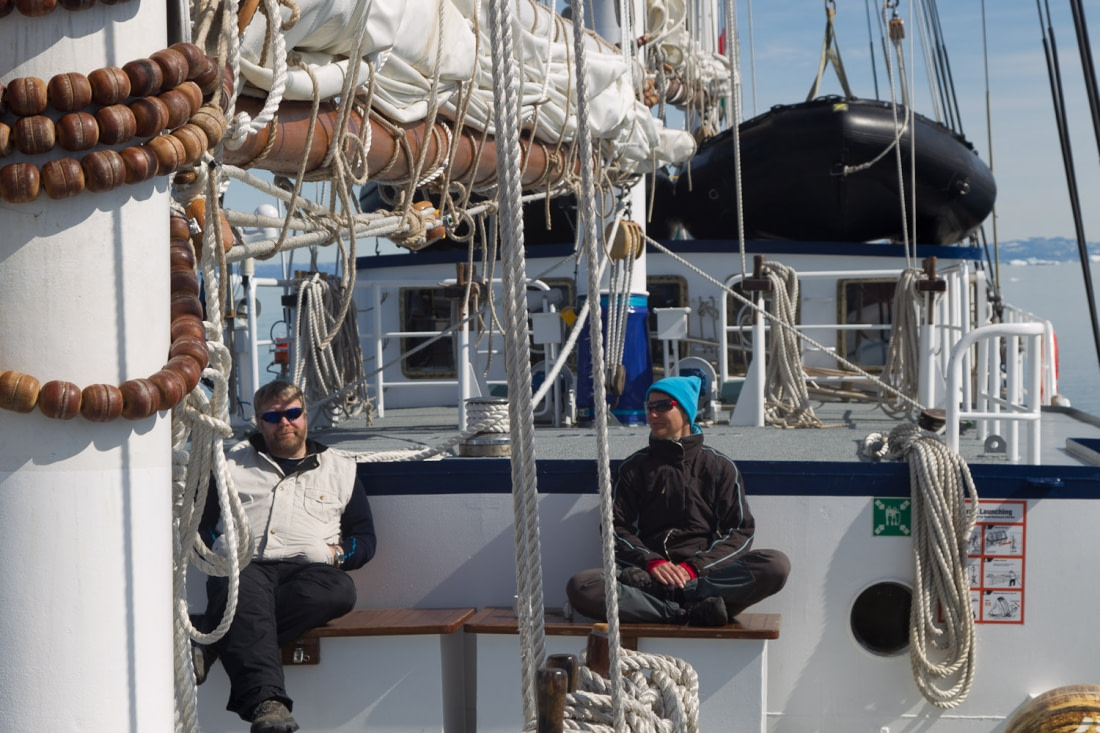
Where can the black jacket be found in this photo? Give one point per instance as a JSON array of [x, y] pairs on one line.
[[683, 502]]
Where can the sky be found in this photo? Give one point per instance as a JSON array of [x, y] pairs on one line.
[[779, 61]]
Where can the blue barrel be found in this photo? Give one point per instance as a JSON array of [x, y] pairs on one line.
[[629, 407]]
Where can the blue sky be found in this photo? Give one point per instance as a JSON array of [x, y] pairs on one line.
[[1032, 195]]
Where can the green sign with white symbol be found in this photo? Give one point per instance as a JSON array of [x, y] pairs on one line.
[[892, 517]]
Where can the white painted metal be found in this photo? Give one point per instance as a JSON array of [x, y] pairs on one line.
[[85, 508]]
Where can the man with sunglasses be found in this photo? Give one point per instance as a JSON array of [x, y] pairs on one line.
[[310, 522], [683, 530]]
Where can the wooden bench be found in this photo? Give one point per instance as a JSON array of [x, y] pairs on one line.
[[392, 670], [732, 673]]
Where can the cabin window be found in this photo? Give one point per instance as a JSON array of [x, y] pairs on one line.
[[867, 306], [430, 311], [880, 618], [665, 291]]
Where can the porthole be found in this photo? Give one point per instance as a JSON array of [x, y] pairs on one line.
[[880, 618]]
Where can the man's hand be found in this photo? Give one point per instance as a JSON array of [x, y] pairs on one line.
[[668, 573]]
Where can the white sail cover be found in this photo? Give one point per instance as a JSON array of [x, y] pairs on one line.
[[421, 48]]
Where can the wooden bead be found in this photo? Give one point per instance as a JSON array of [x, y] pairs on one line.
[[151, 115], [69, 92], [185, 178], [174, 67], [141, 163], [18, 391], [191, 90], [187, 368], [178, 106], [180, 256], [178, 228], [59, 400], [188, 325], [184, 280], [5, 140], [196, 57], [193, 347], [110, 85], [186, 304], [26, 96], [19, 183], [36, 8], [194, 142], [63, 178], [145, 77], [211, 121], [117, 124], [34, 134], [196, 210], [101, 402], [76, 4], [103, 170], [208, 77], [171, 387], [140, 399], [169, 151], [77, 131]]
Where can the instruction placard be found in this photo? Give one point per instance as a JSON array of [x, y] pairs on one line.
[[995, 562]]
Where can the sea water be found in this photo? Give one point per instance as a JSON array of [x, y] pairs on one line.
[[1056, 292], [1052, 291]]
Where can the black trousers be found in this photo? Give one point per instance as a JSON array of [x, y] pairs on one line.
[[751, 578], [277, 603]]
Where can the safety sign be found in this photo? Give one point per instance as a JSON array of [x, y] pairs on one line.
[[995, 562]]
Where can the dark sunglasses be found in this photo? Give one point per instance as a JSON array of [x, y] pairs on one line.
[[275, 417], [660, 406]]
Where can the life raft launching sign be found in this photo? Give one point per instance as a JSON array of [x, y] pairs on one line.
[[995, 562]]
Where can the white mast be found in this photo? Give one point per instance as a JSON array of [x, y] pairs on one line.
[[85, 507]]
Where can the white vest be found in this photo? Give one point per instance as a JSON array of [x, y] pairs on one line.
[[292, 517]]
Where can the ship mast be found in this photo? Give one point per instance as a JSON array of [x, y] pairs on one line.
[[85, 507]]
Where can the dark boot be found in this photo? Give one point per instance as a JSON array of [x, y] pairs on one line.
[[707, 612], [271, 716], [203, 658]]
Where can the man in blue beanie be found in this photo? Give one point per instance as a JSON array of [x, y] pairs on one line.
[[683, 529]]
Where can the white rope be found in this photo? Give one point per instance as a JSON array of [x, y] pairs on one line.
[[517, 349], [241, 125], [902, 367], [660, 695], [945, 505], [328, 354], [589, 234], [787, 399]]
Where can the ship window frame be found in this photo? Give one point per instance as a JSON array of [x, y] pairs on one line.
[[842, 348], [656, 354], [738, 366], [405, 345]]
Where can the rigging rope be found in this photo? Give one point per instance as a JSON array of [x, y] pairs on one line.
[[787, 399], [902, 367], [945, 504]]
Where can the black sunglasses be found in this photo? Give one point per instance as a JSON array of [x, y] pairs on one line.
[[660, 406], [275, 416]]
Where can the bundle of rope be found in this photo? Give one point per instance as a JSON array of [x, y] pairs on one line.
[[328, 353], [788, 401], [660, 695], [945, 504], [902, 357]]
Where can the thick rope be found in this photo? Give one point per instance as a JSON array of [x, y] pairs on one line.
[[590, 237], [945, 504], [902, 368], [787, 399], [517, 353]]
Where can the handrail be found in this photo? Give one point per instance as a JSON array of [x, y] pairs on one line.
[[1018, 411]]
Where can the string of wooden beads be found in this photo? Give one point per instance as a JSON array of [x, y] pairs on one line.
[[191, 127], [38, 8], [134, 399]]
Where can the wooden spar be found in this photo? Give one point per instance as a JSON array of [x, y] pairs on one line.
[[388, 160]]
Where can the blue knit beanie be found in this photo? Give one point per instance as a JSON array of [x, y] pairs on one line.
[[684, 390]]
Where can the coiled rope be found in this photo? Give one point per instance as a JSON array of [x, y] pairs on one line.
[[902, 368], [945, 504], [787, 399], [661, 696]]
